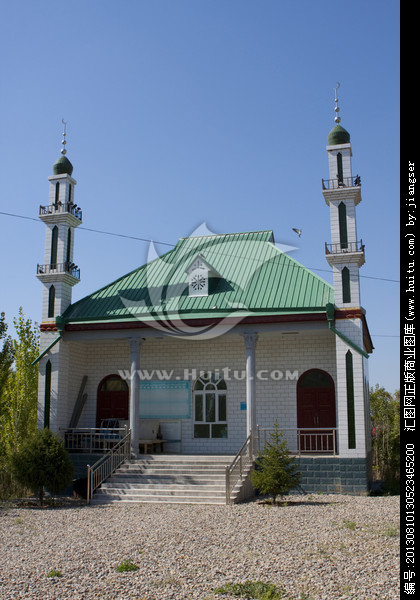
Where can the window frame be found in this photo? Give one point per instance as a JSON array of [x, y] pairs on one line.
[[209, 405]]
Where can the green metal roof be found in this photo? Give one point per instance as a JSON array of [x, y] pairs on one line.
[[256, 277]]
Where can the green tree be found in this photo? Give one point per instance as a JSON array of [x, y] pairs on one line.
[[6, 361], [276, 471], [42, 462], [385, 417], [18, 412]]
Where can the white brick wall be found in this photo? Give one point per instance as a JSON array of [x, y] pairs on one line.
[[276, 354]]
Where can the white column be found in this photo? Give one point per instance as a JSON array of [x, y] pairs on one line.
[[251, 408], [135, 345]]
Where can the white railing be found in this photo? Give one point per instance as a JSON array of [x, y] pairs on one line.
[[106, 465], [92, 440], [240, 466], [303, 440]]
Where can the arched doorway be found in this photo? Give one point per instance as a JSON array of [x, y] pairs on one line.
[[112, 399], [316, 411]]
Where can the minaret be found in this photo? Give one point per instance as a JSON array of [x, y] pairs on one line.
[[342, 194], [61, 216], [345, 254]]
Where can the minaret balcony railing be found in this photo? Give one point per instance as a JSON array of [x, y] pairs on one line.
[[340, 248], [66, 267], [343, 182], [61, 207]]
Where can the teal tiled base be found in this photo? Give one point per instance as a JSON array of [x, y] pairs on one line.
[[333, 475]]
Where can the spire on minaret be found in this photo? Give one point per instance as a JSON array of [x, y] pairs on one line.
[[337, 110], [63, 141]]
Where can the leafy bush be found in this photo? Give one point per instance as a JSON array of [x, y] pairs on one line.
[[42, 462], [54, 573], [125, 566], [276, 471]]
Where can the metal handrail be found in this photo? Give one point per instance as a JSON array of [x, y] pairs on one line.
[[339, 248], [240, 465], [66, 267], [335, 184], [106, 465], [92, 439], [60, 207], [310, 440]]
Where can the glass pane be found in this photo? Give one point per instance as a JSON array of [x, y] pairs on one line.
[[210, 408], [210, 386], [199, 407], [199, 385], [221, 385], [315, 378], [114, 384], [201, 431], [222, 407], [219, 431]]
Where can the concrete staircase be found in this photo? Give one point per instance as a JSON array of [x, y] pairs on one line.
[[167, 478]]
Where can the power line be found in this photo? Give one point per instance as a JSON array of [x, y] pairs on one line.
[[140, 239]]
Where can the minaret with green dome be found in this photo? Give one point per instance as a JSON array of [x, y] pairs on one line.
[[61, 216], [346, 318], [342, 193]]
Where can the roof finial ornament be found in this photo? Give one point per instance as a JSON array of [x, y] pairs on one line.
[[337, 110], [63, 141]]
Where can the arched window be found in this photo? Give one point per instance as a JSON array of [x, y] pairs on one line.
[[51, 301], [113, 383], [340, 167], [68, 253], [351, 422], [345, 284], [47, 395], [342, 224], [210, 407], [57, 193], [70, 191], [54, 244]]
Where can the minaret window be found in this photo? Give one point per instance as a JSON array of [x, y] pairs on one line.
[[54, 244], [68, 253], [345, 282], [57, 193], [351, 423], [70, 191], [342, 223], [340, 167], [51, 302], [47, 395]]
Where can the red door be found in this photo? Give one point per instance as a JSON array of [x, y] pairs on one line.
[[112, 400], [316, 410]]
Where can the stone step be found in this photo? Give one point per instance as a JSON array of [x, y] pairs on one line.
[[161, 491], [153, 480], [114, 498], [167, 478], [147, 485]]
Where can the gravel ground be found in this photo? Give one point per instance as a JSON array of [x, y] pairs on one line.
[[325, 547]]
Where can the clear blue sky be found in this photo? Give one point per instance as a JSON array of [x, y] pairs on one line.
[[181, 112]]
